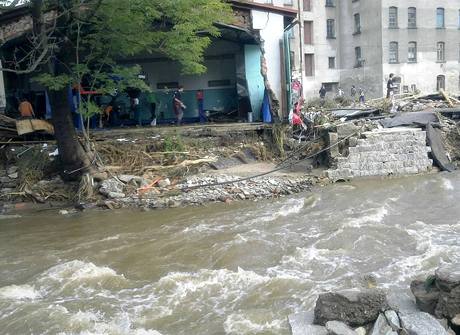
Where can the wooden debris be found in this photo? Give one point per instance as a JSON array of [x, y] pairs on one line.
[[28, 126], [446, 97]]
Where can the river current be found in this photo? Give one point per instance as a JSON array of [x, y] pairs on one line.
[[236, 268]]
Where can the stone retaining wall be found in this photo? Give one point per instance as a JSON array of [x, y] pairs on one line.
[[382, 152]]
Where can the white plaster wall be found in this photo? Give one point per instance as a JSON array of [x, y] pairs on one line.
[[271, 27]]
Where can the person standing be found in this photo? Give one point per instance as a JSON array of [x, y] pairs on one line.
[[25, 109], [390, 86], [153, 101], [178, 105], [353, 93], [322, 92], [361, 96], [200, 101]]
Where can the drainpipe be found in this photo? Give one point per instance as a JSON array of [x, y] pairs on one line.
[[300, 21]]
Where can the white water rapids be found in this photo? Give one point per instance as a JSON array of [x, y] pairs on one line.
[[221, 269]]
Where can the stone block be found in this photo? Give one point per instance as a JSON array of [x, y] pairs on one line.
[[333, 138], [346, 129]]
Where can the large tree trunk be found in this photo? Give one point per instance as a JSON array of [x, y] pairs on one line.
[[73, 159]]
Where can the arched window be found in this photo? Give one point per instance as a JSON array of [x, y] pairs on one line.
[[393, 17], [412, 17]]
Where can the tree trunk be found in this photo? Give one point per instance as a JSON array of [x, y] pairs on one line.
[[73, 159]]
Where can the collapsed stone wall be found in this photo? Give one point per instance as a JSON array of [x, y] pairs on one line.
[[381, 152]]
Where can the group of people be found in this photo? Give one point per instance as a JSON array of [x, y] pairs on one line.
[[151, 99], [340, 93]]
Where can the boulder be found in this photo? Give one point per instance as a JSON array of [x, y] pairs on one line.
[[393, 319], [339, 328], [116, 195], [346, 129], [126, 178], [448, 304], [361, 331], [421, 323], [302, 324], [455, 324], [353, 307], [401, 301], [426, 297], [381, 327], [111, 186], [448, 277]]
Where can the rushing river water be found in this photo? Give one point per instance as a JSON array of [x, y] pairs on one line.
[[221, 269]]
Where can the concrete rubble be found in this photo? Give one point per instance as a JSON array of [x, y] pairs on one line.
[[377, 312]]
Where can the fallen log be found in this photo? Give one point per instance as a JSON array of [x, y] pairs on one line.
[[185, 163], [447, 98]]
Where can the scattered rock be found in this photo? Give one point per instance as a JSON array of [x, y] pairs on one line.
[[392, 319], [426, 297], [448, 304], [381, 327], [12, 169], [448, 277], [361, 331], [164, 183], [14, 175], [354, 307], [302, 324], [421, 323], [115, 195], [339, 328]]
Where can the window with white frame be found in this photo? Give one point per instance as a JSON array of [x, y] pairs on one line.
[[440, 22], [441, 52], [330, 28], [393, 55], [412, 17], [393, 17]]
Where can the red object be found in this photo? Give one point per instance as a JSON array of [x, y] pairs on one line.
[[199, 95]]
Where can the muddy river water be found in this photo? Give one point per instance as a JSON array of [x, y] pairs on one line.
[[221, 269]]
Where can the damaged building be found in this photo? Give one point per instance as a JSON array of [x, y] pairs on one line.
[[247, 66]]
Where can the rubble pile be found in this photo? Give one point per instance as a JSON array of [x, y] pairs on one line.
[[373, 311], [131, 191]]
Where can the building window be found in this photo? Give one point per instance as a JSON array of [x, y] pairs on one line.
[[357, 23], [308, 32], [440, 18], [413, 88], [288, 3], [358, 57], [307, 5], [269, 2], [412, 17], [332, 62], [393, 17], [441, 48], [440, 82], [309, 65], [412, 52], [459, 19], [330, 3], [393, 53], [330, 28]]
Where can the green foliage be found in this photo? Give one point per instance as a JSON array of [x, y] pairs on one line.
[[173, 143], [53, 83], [99, 32], [88, 109]]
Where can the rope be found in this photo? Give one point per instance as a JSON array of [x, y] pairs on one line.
[[186, 189]]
